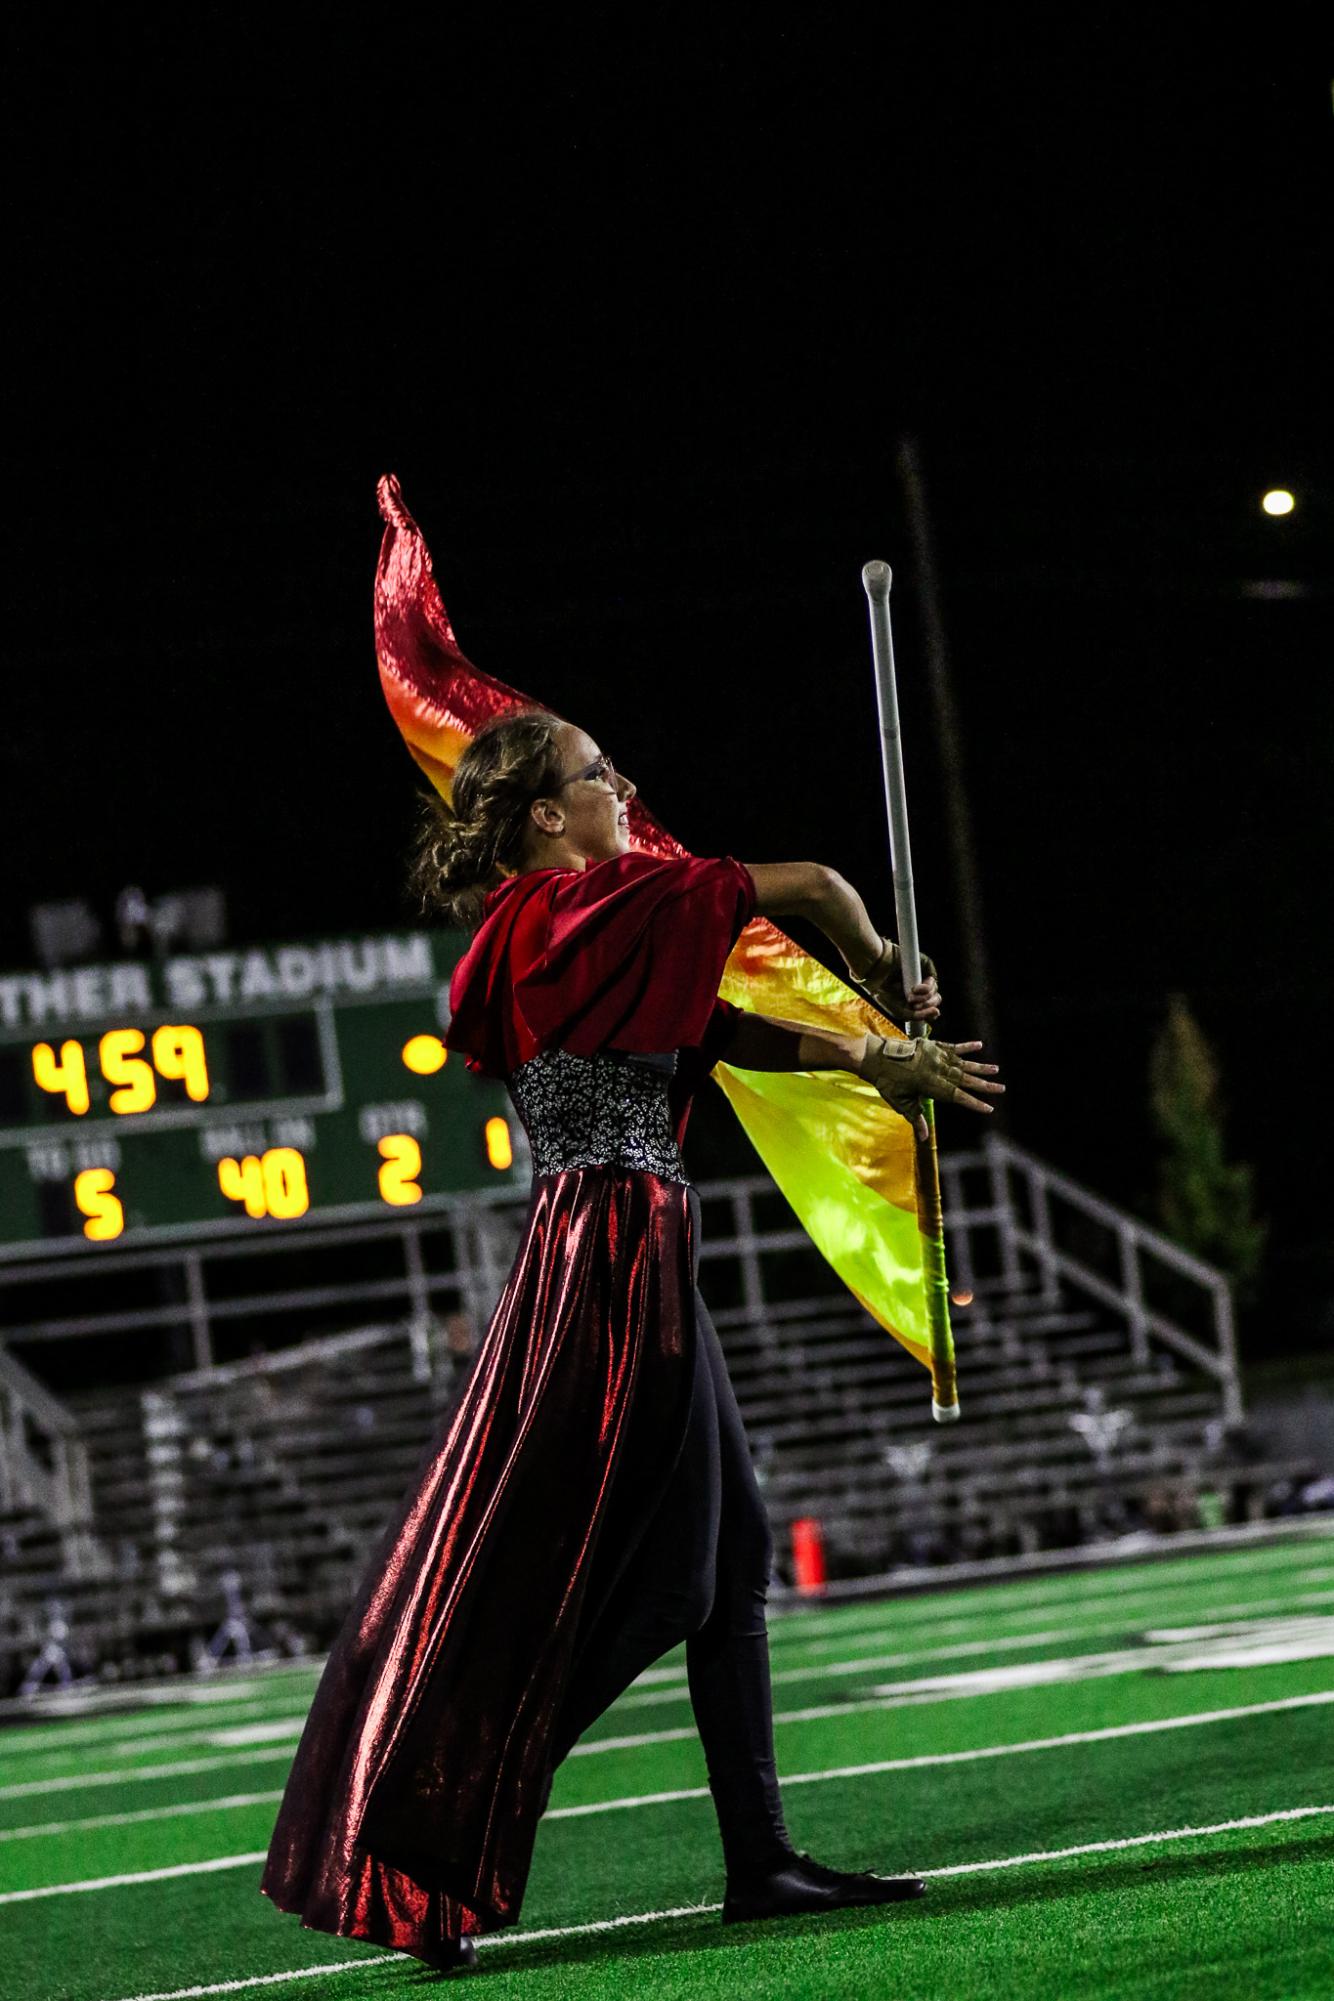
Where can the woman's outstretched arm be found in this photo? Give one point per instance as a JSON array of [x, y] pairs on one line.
[[821, 895], [903, 1071], [762, 1042]]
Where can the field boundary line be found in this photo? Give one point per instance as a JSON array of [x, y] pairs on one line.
[[917, 1690], [827, 1711], [656, 1687], [1055, 1568], [541, 1934], [1094, 1610], [124, 1882], [672, 1686], [133, 1731], [1135, 1841], [1153, 1726], [924, 1759], [276, 1979], [108, 1727], [228, 1803], [1084, 1559], [70, 1782]]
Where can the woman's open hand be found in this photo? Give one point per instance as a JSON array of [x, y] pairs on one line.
[[907, 1070]]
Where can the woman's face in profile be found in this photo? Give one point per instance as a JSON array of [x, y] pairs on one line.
[[593, 798]]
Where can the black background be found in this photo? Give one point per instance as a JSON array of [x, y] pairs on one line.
[[638, 306]]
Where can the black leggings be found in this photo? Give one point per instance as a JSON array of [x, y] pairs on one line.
[[702, 1568]]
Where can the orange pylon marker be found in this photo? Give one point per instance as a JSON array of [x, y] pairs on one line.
[[808, 1554]]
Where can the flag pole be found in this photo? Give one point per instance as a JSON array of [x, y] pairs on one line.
[[876, 580]]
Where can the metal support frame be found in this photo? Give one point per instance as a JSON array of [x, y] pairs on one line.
[[483, 1231]]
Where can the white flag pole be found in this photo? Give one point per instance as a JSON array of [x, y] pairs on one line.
[[876, 579]]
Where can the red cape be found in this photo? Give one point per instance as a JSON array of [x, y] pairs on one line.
[[626, 954]]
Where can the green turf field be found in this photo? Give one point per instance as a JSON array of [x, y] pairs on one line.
[[1119, 1782]]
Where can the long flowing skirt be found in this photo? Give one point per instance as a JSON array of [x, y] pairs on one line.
[[413, 1802]]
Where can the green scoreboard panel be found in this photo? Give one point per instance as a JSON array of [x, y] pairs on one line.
[[239, 1090]]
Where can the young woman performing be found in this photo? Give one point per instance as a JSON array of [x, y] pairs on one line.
[[592, 1502]]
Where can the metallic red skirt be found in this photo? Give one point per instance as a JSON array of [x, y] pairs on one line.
[[413, 1802]]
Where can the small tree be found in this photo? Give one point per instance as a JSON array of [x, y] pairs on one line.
[[1203, 1202]]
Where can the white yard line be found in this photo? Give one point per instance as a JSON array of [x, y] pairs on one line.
[[1300, 1639], [122, 1882], [1069, 1589], [277, 1729], [1272, 1649], [304, 1973], [239, 1732], [928, 1758], [826, 1711], [1112, 1732], [539, 1935], [227, 1803], [1135, 1841], [126, 1734], [655, 1686], [208, 1701], [806, 1623], [676, 1692], [72, 1781], [821, 1714], [672, 1682], [1124, 1610], [130, 1735], [673, 1686], [651, 1689]]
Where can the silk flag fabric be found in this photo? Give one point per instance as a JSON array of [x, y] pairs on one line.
[[850, 1167]]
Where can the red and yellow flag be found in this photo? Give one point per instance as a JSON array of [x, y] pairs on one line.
[[848, 1165]]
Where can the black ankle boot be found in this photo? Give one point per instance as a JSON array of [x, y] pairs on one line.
[[455, 1955], [801, 1884]]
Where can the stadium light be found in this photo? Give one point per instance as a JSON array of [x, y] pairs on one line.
[[1278, 501]]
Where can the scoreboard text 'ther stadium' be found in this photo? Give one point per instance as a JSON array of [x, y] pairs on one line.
[[231, 1090]]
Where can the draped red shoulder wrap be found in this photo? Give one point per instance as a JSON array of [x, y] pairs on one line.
[[413, 1802], [621, 955]]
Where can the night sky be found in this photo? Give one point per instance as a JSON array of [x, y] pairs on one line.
[[639, 308]]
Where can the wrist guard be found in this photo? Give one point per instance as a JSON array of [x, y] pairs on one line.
[[883, 981]]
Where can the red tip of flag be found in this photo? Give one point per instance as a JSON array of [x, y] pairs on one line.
[[392, 508]]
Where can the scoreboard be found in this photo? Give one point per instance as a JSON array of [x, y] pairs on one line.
[[225, 1091]]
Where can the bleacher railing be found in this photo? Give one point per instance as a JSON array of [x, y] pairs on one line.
[[44, 1462], [1049, 1228], [282, 1426], [1012, 1224]]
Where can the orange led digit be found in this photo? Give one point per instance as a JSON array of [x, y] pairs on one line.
[[401, 1163], [117, 1053], [93, 1198], [179, 1052], [243, 1181], [424, 1054], [499, 1147], [67, 1078], [285, 1188]]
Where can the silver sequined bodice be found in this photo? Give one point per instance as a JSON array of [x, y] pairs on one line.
[[606, 1110]]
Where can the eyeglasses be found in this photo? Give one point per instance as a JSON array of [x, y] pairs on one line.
[[601, 767]]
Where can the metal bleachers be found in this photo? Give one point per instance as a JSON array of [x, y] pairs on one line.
[[231, 1506]]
